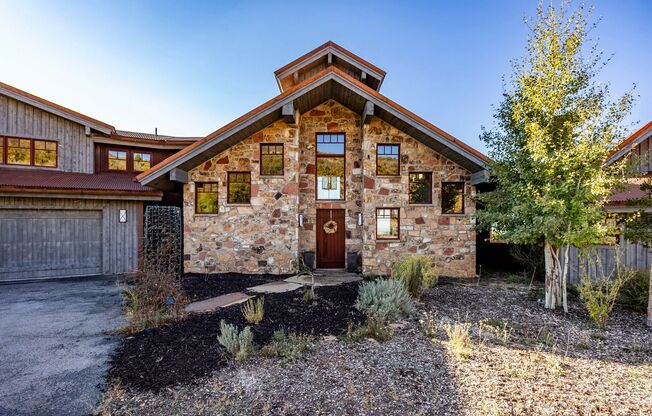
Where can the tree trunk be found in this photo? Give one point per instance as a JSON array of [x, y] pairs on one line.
[[649, 301], [554, 277]]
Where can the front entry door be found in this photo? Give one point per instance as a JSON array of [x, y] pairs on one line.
[[330, 238]]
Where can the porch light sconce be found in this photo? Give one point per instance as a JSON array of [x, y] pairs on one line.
[[300, 220], [359, 218], [122, 216]]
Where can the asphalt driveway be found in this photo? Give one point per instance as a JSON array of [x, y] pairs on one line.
[[55, 344]]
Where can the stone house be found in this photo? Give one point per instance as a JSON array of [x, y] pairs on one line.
[[331, 171]]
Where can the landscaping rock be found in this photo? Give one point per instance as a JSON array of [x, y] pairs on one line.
[[275, 287], [212, 304]]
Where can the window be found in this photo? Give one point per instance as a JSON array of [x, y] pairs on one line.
[[2, 149], [388, 160], [45, 153], [271, 159], [142, 161], [387, 223], [452, 197], [239, 188], [19, 151], [420, 188], [117, 160], [206, 198], [330, 150]]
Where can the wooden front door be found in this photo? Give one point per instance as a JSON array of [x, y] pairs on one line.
[[330, 238]]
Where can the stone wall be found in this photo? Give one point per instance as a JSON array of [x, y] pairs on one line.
[[423, 229], [261, 237]]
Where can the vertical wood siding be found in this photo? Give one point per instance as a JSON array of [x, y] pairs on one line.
[[120, 241], [22, 120], [632, 255]]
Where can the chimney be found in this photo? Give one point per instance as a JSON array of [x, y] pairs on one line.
[[155, 131]]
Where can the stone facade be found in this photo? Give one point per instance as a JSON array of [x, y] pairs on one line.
[[265, 236]]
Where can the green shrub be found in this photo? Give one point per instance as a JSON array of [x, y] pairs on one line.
[[287, 347], [384, 300], [417, 273], [238, 343], [635, 291], [599, 295], [370, 329], [254, 310]]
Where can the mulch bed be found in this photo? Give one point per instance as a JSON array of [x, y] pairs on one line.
[[204, 286], [183, 351]]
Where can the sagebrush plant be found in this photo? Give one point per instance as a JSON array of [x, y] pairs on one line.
[[254, 310], [417, 273], [599, 295], [238, 343], [384, 300], [460, 342], [287, 347], [636, 291]]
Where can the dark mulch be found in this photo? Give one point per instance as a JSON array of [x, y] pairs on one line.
[[183, 351], [204, 286]]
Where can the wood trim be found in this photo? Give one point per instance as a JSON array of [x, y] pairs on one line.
[[430, 188], [463, 198], [217, 195], [228, 187], [399, 159], [343, 156], [260, 156], [398, 226]]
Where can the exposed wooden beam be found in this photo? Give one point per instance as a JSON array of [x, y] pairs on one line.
[[87, 130], [367, 112], [289, 114], [363, 76], [479, 177], [179, 175], [295, 77], [330, 58]]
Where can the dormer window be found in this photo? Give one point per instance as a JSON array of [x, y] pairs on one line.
[[142, 161], [118, 160]]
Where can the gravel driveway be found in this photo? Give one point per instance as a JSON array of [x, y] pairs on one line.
[[54, 344]]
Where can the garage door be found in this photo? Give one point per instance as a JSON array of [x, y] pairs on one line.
[[49, 243]]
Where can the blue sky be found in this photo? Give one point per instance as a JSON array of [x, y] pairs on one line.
[[190, 67]]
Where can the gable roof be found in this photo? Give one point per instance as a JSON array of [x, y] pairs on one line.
[[629, 143], [49, 106], [328, 83]]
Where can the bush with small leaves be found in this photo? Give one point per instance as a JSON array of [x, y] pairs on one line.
[[254, 310], [238, 343], [635, 291], [287, 347], [384, 300], [599, 295], [417, 273]]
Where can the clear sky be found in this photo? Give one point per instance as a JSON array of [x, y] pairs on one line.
[[190, 67]]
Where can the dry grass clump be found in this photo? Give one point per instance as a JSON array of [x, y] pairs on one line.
[[459, 338], [254, 310], [417, 273]]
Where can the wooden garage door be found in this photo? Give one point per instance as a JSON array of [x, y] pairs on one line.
[[49, 243]]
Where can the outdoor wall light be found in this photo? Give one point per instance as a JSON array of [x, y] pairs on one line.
[[359, 218], [122, 216], [300, 220]]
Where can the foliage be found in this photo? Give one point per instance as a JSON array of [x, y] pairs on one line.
[[459, 338], [287, 347], [371, 329], [635, 291], [599, 295], [254, 310], [238, 343], [555, 129], [384, 300], [417, 273], [429, 324]]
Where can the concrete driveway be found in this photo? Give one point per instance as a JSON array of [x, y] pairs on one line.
[[55, 344]]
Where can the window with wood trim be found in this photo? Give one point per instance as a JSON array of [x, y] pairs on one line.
[[452, 197], [142, 161], [45, 153], [420, 188], [206, 198], [19, 151], [2, 149], [239, 188], [117, 160], [388, 160], [271, 159], [331, 161], [388, 223]]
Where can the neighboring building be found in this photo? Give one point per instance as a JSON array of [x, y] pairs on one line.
[[69, 204], [330, 170]]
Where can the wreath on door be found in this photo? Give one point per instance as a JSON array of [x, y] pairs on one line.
[[330, 227]]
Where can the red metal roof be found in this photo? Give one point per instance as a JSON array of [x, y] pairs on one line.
[[23, 180], [152, 138], [638, 133], [631, 192]]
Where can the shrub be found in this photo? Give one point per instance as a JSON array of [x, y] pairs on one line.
[[384, 300], [238, 343], [287, 347], [417, 273], [635, 291], [459, 338], [370, 329], [254, 310], [599, 295]]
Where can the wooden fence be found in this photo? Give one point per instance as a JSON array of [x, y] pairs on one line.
[[601, 260]]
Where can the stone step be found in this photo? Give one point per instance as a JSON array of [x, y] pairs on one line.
[[209, 305], [279, 286]]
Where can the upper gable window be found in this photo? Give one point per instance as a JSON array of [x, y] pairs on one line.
[[239, 188], [388, 160], [45, 153], [330, 150], [271, 159], [117, 160], [28, 152], [452, 197], [19, 151], [142, 161]]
